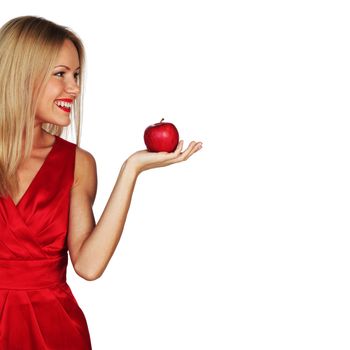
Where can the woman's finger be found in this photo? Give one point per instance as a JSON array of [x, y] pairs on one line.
[[179, 148], [195, 146], [177, 152], [179, 157], [195, 149]]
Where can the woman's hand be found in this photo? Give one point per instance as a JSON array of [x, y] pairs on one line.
[[144, 160]]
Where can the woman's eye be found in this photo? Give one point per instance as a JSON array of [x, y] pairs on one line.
[[61, 74]]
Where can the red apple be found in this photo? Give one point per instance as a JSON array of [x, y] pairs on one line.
[[161, 137]]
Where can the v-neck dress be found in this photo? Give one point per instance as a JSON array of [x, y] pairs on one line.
[[38, 310]]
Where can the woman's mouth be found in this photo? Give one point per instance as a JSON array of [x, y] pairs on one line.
[[64, 109], [64, 105]]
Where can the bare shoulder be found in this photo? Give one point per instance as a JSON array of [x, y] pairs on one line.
[[85, 172]]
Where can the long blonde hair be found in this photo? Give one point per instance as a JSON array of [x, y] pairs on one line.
[[29, 46]]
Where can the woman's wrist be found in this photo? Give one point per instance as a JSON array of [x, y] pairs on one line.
[[131, 168]]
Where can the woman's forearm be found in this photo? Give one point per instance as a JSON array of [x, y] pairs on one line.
[[99, 247]]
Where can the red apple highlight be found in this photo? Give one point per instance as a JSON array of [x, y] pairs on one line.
[[161, 137]]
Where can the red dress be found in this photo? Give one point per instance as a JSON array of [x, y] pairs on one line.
[[37, 308]]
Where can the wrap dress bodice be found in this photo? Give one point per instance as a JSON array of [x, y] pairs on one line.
[[38, 310]]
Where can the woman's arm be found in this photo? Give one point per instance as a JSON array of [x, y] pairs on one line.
[[99, 246], [94, 249]]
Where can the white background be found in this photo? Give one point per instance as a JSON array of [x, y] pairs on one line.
[[245, 245]]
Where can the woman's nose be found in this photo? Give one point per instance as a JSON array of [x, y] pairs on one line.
[[73, 88]]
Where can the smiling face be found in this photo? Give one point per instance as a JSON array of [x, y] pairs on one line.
[[62, 88]]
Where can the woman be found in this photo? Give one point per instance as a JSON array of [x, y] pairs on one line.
[[48, 186]]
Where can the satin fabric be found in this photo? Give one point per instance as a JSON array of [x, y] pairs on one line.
[[38, 310]]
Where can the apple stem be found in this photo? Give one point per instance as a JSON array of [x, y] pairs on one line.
[[162, 119]]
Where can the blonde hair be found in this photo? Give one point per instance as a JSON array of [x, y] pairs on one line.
[[29, 46]]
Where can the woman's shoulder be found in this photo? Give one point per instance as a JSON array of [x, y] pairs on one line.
[[84, 159], [82, 156], [85, 165]]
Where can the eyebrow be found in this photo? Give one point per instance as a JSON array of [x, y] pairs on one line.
[[62, 65]]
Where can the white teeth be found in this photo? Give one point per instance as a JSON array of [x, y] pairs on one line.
[[63, 104]]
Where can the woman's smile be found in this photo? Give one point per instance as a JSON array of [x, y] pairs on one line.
[[65, 104]]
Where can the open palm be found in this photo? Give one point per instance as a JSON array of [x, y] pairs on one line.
[[145, 160]]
